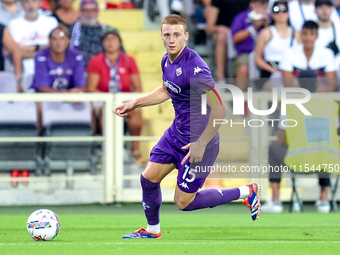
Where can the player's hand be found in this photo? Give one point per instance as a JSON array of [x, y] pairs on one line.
[[123, 109], [196, 152]]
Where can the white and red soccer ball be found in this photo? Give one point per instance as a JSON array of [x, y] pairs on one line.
[[43, 225]]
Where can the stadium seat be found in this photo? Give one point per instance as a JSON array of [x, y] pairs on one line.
[[123, 19], [27, 82], [18, 119], [62, 119], [8, 83]]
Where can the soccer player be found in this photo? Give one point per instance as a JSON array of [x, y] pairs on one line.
[[192, 139]]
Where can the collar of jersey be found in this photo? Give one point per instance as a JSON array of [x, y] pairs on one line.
[[180, 55]]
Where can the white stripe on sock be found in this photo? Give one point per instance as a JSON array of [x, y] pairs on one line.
[[244, 192], [154, 229]]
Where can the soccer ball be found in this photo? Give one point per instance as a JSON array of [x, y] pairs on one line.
[[43, 225]]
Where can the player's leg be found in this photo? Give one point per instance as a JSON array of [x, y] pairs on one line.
[[152, 195], [213, 197], [206, 198], [152, 198], [190, 180]]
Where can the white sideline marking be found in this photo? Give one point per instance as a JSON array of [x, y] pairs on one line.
[[130, 242]]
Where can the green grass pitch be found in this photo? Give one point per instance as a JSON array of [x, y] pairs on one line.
[[97, 230]]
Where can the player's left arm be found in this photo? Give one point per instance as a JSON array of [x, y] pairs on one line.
[[197, 149]]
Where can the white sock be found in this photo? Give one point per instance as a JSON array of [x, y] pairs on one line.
[[154, 229], [244, 192]]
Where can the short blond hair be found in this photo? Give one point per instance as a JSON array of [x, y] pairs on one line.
[[175, 19]]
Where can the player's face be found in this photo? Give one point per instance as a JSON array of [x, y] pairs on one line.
[[323, 12], [59, 42], [308, 37], [174, 38], [111, 43]]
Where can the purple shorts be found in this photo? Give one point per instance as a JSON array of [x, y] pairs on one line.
[[191, 176]]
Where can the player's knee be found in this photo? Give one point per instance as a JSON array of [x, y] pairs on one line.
[[181, 202]]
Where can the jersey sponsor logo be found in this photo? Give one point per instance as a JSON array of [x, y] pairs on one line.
[[172, 86], [145, 206], [60, 71], [197, 70], [41, 58], [179, 71], [79, 57], [184, 185]]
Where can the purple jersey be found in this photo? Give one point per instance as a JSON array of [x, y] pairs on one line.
[[189, 123], [242, 22], [65, 75]]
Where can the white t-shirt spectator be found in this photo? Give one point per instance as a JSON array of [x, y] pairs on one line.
[[29, 33], [326, 36], [295, 58], [298, 16]]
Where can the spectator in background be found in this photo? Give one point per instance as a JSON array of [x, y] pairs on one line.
[[307, 60], [328, 32], [57, 68], [7, 41], [337, 5], [114, 71], [31, 32], [245, 29], [66, 14], [10, 9], [48, 6], [87, 30], [219, 15], [302, 10], [296, 144], [274, 40]]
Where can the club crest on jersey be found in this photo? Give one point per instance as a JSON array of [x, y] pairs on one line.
[[179, 71]]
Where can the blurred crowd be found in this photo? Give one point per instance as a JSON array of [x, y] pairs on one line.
[[273, 40]]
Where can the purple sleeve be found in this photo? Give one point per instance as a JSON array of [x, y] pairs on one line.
[[239, 23], [199, 75], [79, 70], [41, 78]]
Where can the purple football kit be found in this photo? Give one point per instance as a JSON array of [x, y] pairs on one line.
[[186, 79], [189, 123], [66, 75]]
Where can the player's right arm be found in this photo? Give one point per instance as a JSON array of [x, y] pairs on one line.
[[157, 96]]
